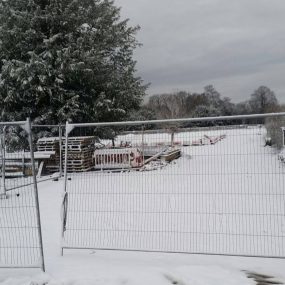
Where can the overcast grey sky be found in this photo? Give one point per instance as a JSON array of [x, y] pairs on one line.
[[236, 45]]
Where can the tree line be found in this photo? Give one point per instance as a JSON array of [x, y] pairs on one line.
[[209, 103]]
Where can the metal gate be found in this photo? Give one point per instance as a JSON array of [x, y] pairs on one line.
[[202, 186], [20, 226]]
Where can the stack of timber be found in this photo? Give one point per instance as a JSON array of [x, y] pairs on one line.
[[51, 146], [79, 153]]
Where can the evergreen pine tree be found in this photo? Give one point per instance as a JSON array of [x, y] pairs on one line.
[[67, 60]]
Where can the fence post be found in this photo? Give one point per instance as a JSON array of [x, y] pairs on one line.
[[29, 130], [3, 163], [68, 129], [283, 136], [143, 144], [60, 149], [65, 157]]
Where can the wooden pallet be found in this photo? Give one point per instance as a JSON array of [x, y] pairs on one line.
[[72, 170], [79, 155], [81, 139], [51, 165], [80, 162], [79, 166], [78, 148], [44, 149]]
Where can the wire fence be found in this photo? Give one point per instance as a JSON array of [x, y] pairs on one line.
[[20, 228], [205, 186]]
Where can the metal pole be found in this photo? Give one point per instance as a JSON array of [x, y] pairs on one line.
[[23, 163], [65, 158], [4, 160], [44, 126], [172, 137], [65, 182], [3, 142], [155, 122], [283, 136], [143, 144], [60, 149], [28, 129], [19, 123], [2, 193]]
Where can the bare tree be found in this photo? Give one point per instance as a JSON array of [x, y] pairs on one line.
[[168, 106], [263, 100]]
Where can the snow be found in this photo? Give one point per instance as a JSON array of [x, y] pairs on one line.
[[85, 26], [116, 267], [53, 38], [281, 155]]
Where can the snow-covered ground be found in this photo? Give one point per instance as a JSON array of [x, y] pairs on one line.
[[238, 190]]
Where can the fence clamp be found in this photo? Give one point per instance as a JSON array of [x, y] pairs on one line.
[[27, 126], [69, 128]]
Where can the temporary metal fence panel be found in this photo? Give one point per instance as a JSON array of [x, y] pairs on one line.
[[20, 227], [202, 186]]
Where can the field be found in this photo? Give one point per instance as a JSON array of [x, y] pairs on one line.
[[226, 198]]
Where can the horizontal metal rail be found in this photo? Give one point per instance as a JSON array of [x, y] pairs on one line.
[[182, 120], [32, 183], [19, 267], [175, 252], [47, 126], [20, 123]]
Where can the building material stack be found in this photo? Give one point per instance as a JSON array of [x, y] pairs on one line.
[[51, 146], [79, 153]]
